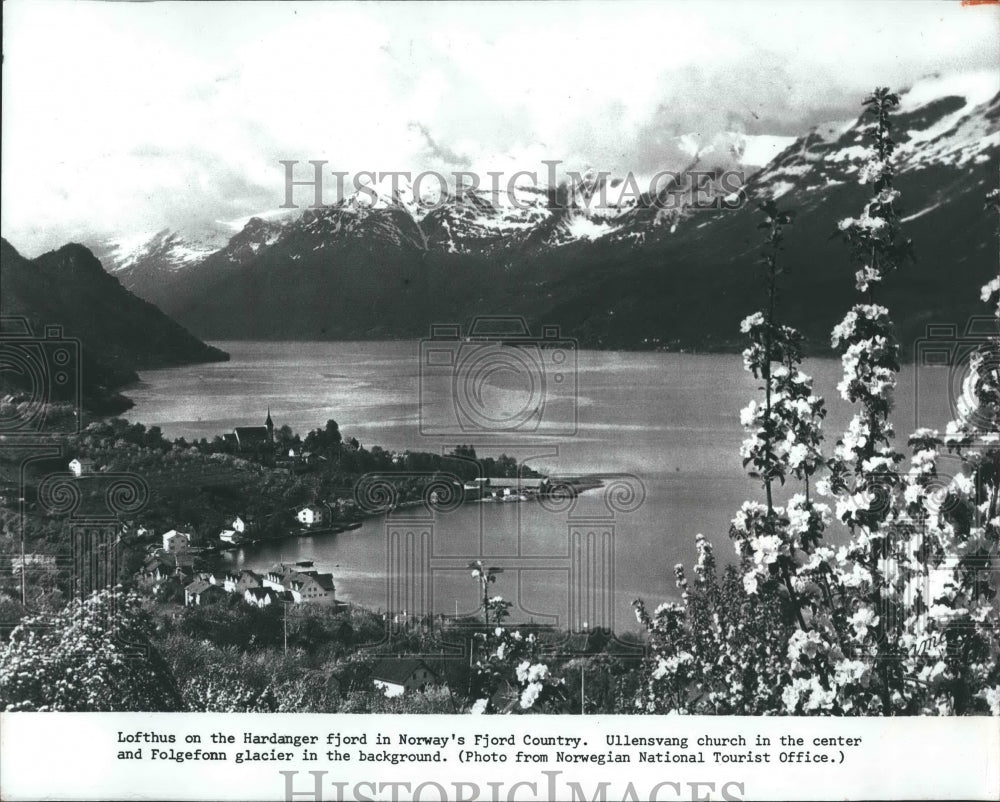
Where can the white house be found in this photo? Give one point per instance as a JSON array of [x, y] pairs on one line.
[[260, 597], [239, 583], [175, 542], [310, 515], [302, 586], [81, 466]]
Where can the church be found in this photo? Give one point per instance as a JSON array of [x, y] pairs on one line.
[[250, 438]]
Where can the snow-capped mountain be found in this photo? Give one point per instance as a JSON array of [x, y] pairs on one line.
[[587, 206], [600, 254], [951, 121], [245, 245], [166, 249]]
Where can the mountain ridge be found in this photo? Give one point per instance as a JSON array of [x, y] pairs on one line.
[[118, 332], [626, 274]]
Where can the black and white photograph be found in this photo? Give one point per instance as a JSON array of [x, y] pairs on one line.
[[406, 369]]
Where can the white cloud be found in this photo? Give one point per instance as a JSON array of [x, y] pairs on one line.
[[130, 116]]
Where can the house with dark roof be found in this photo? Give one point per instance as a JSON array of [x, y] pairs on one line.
[[249, 438], [245, 579], [394, 676], [312, 586], [260, 597], [201, 591], [304, 586], [161, 566], [155, 569]]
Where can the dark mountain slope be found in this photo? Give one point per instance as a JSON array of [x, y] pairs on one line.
[[119, 333]]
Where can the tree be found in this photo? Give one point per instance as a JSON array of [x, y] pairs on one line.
[[485, 576], [897, 621], [93, 655], [325, 441]]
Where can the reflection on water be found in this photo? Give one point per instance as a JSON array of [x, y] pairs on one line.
[[669, 420]]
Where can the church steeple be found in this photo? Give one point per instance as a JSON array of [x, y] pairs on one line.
[[269, 424]]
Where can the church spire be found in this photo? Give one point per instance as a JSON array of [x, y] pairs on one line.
[[269, 424]]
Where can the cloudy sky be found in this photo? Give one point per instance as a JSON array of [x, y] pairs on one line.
[[125, 117]]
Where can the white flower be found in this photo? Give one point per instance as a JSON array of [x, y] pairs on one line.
[[662, 667], [797, 455], [863, 620], [798, 515], [992, 696], [871, 171], [805, 643], [767, 549], [538, 672], [790, 697], [751, 321], [865, 277], [819, 697], [963, 485], [530, 694], [912, 493], [479, 706], [852, 672]]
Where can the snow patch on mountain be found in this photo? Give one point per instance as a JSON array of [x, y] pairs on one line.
[[964, 133], [581, 227], [168, 249], [976, 87], [761, 149]]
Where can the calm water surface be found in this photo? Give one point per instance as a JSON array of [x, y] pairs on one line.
[[666, 425]]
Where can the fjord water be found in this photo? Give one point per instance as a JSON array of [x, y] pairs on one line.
[[663, 427]]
